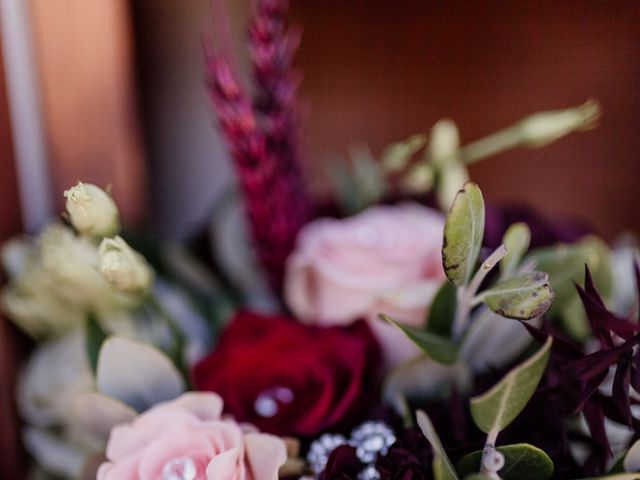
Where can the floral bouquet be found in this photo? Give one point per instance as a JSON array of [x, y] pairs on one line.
[[403, 330]]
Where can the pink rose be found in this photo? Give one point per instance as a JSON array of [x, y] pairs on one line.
[[188, 437], [386, 259]]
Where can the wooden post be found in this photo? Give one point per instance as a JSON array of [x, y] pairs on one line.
[[12, 459]]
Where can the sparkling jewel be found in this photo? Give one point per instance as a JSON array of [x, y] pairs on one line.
[[369, 473], [182, 468], [320, 450], [372, 439], [268, 403]]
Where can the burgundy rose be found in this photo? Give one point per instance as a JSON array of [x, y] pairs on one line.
[[291, 379]]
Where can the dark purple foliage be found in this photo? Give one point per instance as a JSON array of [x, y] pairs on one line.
[[342, 464], [544, 231]]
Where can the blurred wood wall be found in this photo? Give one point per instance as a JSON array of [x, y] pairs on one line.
[[11, 454], [379, 71], [85, 57]]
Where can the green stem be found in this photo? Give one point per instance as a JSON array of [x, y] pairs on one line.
[[490, 145], [467, 293], [176, 352]]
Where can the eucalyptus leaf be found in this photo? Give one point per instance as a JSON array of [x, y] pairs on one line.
[[442, 466], [441, 349], [517, 239], [463, 233], [442, 310], [495, 409], [521, 462], [523, 298], [94, 337], [564, 263]]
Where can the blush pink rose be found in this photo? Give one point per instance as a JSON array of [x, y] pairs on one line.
[[386, 259], [189, 436]]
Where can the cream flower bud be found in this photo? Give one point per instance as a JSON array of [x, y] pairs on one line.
[[543, 128], [92, 210], [444, 141], [444, 152], [123, 267]]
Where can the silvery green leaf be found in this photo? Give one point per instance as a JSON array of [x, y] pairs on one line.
[[524, 297], [516, 239], [521, 462], [564, 263], [463, 232], [136, 373], [442, 466], [495, 409], [441, 349]]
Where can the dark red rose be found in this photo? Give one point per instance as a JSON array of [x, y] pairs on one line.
[[288, 378]]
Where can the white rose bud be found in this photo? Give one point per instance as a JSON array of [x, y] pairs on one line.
[[123, 267], [92, 210]]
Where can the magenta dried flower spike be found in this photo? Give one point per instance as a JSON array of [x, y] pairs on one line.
[[262, 136]]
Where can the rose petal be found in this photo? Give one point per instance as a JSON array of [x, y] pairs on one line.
[[265, 455]]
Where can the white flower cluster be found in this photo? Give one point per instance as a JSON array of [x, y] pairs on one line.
[[62, 275], [56, 280]]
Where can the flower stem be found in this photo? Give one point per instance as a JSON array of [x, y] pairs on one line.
[[176, 351], [466, 295]]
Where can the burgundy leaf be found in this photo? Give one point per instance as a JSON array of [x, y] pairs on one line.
[[594, 416], [620, 390]]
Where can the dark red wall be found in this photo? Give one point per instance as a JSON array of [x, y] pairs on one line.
[[381, 70]]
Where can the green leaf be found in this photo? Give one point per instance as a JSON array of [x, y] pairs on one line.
[[94, 337], [499, 406], [439, 348], [442, 310], [516, 239], [524, 297], [463, 232], [521, 462], [442, 466], [396, 156], [564, 263]]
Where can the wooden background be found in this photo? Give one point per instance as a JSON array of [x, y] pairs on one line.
[[379, 71]]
